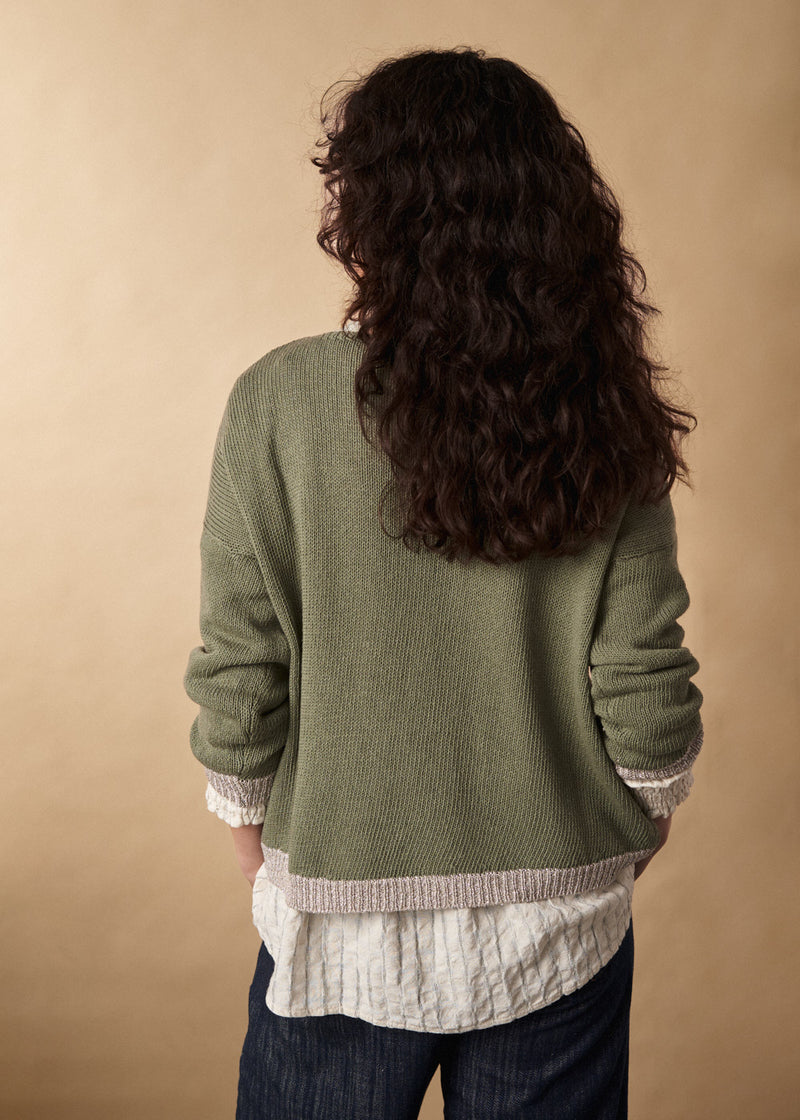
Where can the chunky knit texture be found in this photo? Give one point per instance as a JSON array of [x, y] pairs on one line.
[[422, 734]]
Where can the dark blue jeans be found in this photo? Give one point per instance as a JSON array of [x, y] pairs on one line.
[[567, 1061]]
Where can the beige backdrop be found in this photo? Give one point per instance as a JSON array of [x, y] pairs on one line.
[[158, 218]]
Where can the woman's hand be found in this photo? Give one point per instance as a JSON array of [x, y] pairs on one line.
[[663, 824], [247, 845]]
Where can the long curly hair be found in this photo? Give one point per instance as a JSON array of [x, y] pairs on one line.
[[505, 370]]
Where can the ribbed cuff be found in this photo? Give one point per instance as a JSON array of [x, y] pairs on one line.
[[237, 801], [652, 777], [660, 798]]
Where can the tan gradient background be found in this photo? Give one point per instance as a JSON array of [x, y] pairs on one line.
[[158, 219]]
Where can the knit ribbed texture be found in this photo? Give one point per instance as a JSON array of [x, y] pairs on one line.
[[238, 801], [439, 892], [662, 798], [446, 727], [438, 970]]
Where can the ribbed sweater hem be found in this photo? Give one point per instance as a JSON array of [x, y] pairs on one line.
[[438, 892]]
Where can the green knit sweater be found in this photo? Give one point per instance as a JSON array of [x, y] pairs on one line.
[[422, 734]]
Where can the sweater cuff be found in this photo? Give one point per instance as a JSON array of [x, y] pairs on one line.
[[237, 801], [660, 797], [673, 770]]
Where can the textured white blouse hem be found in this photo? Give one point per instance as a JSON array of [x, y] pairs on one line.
[[439, 971]]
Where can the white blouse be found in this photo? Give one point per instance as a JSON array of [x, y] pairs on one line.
[[446, 970], [438, 970]]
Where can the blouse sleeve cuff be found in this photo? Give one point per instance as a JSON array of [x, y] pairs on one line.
[[237, 801], [660, 797]]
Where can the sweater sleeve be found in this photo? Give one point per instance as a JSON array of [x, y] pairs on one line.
[[239, 675], [641, 688]]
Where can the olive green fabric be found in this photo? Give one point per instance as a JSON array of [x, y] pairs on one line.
[[420, 717]]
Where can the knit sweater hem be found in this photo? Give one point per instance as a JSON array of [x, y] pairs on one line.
[[436, 892]]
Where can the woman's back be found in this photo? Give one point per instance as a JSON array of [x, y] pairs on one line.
[[431, 729]]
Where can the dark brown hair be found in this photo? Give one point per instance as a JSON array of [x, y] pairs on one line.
[[506, 364]]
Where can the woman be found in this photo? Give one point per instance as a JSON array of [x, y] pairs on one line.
[[444, 702]]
